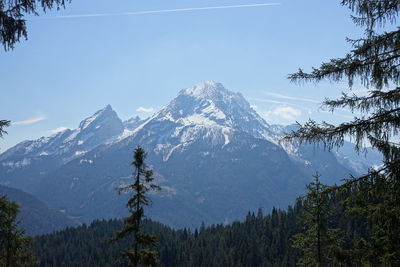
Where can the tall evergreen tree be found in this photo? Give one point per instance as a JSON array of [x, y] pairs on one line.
[[374, 61], [12, 22], [140, 254], [14, 247], [318, 243]]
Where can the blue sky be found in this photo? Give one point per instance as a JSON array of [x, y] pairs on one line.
[[71, 67]]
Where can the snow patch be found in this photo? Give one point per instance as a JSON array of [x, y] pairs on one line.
[[89, 120], [72, 136], [78, 153], [17, 164], [86, 161], [213, 111], [196, 119]]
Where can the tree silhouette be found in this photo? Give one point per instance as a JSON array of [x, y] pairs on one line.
[[140, 252], [374, 61]]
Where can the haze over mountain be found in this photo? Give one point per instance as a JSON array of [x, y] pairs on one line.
[[35, 217], [213, 155]]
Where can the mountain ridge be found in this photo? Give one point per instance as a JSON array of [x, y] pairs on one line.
[[35, 217], [210, 151]]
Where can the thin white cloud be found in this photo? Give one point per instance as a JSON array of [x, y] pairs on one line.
[[30, 121], [163, 11], [293, 98], [337, 114], [285, 112], [59, 129], [263, 100], [146, 110], [268, 101]]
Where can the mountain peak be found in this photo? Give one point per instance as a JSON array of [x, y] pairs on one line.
[[104, 112], [205, 89], [208, 106]]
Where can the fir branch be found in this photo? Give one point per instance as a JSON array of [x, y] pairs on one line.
[[376, 99]]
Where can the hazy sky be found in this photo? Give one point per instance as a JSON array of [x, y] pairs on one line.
[[136, 56]]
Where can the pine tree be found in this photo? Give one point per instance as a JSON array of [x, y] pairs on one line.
[[140, 254], [374, 61], [318, 243], [12, 22], [14, 247]]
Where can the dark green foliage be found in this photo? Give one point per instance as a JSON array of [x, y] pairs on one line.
[[374, 59], [14, 247], [374, 199], [140, 254], [12, 22], [319, 243], [258, 241]]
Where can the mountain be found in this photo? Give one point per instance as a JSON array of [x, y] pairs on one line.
[[68, 143], [132, 123], [213, 155], [22, 163], [35, 217], [359, 162]]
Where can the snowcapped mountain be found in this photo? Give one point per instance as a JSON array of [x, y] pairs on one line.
[[46, 154], [92, 131], [214, 156], [206, 111], [210, 105]]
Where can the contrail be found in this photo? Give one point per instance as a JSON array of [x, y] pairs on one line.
[[293, 98], [161, 11]]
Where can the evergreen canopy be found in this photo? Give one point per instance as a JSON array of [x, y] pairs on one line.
[[14, 246], [374, 62]]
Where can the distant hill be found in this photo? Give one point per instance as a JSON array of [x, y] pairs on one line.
[[36, 217]]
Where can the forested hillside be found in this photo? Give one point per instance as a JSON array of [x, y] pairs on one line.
[[259, 240]]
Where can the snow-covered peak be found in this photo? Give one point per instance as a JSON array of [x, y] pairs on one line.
[[106, 111], [210, 104], [97, 128], [92, 131], [208, 89]]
